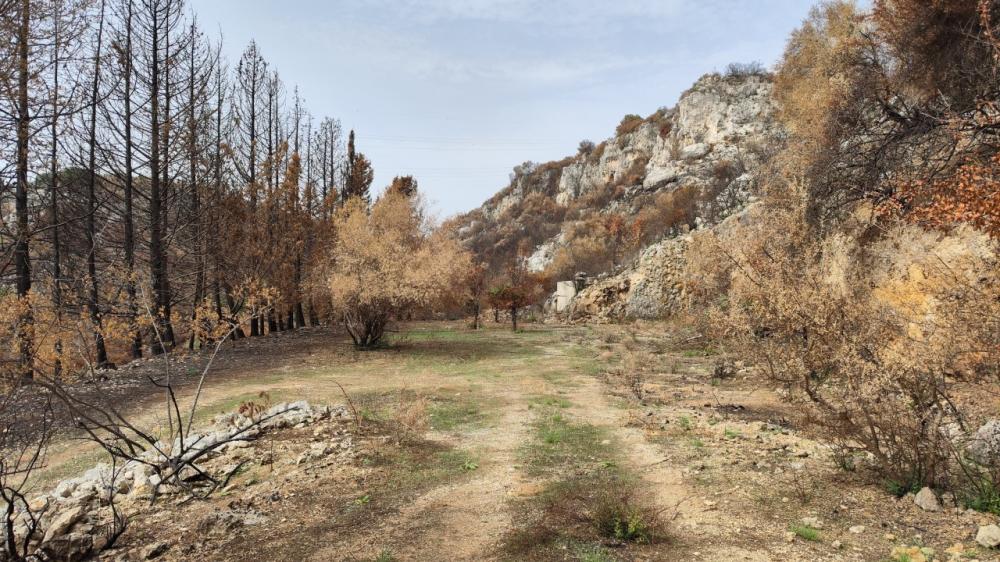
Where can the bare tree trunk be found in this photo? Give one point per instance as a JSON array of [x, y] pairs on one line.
[[166, 302], [199, 283], [22, 260], [156, 257], [54, 195], [130, 289], [93, 301]]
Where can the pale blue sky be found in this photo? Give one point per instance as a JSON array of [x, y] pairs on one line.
[[457, 92]]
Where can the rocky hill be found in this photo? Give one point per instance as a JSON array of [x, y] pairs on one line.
[[623, 202]]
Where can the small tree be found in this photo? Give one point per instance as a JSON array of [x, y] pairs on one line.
[[475, 287], [388, 261], [519, 289]]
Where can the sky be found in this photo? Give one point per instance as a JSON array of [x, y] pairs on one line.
[[458, 92]]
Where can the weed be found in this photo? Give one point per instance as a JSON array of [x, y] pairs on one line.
[[386, 556], [805, 532], [732, 433], [685, 423], [469, 466], [600, 506], [697, 443], [982, 496], [900, 489], [363, 500]]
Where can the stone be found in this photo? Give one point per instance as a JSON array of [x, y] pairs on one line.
[[63, 523], [155, 550], [695, 151], [857, 529], [813, 522], [984, 446], [988, 536], [69, 547], [927, 500], [565, 292]]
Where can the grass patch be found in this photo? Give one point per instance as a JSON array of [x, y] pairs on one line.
[[805, 532], [601, 507], [550, 402], [451, 414], [560, 442], [982, 496]]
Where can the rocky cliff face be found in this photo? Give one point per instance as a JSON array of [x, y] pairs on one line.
[[706, 146]]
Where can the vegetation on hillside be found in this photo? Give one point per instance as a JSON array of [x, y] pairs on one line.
[[834, 286]]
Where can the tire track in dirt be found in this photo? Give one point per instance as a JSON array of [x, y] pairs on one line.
[[463, 520]]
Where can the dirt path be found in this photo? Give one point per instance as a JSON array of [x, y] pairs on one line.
[[465, 519], [722, 461]]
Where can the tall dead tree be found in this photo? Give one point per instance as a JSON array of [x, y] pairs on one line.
[[93, 297]]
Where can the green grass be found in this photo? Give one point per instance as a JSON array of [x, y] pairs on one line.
[[982, 496], [685, 423], [560, 442], [386, 556], [550, 402], [705, 352], [805, 532], [453, 413]]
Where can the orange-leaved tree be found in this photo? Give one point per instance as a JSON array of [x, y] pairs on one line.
[[387, 261]]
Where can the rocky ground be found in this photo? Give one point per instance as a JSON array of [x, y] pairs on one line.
[[467, 442]]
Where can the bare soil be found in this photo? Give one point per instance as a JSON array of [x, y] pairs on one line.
[[728, 463]]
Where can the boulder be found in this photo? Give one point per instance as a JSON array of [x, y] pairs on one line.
[[63, 522], [984, 446], [988, 536], [927, 500], [69, 547]]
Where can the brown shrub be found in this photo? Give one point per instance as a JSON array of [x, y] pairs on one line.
[[628, 125], [875, 340]]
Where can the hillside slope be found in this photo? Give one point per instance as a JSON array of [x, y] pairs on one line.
[[657, 178]]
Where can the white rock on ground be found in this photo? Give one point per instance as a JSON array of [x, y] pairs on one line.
[[988, 536], [927, 500]]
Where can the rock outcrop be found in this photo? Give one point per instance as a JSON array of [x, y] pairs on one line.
[[708, 144], [650, 287]]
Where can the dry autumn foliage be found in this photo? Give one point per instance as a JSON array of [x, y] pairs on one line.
[[970, 196], [386, 262]]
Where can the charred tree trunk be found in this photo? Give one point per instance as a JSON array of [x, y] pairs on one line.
[[93, 300], [22, 260]]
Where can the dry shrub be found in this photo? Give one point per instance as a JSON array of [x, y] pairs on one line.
[[707, 270], [874, 336], [411, 417], [628, 125], [634, 175], [636, 362], [601, 507]]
